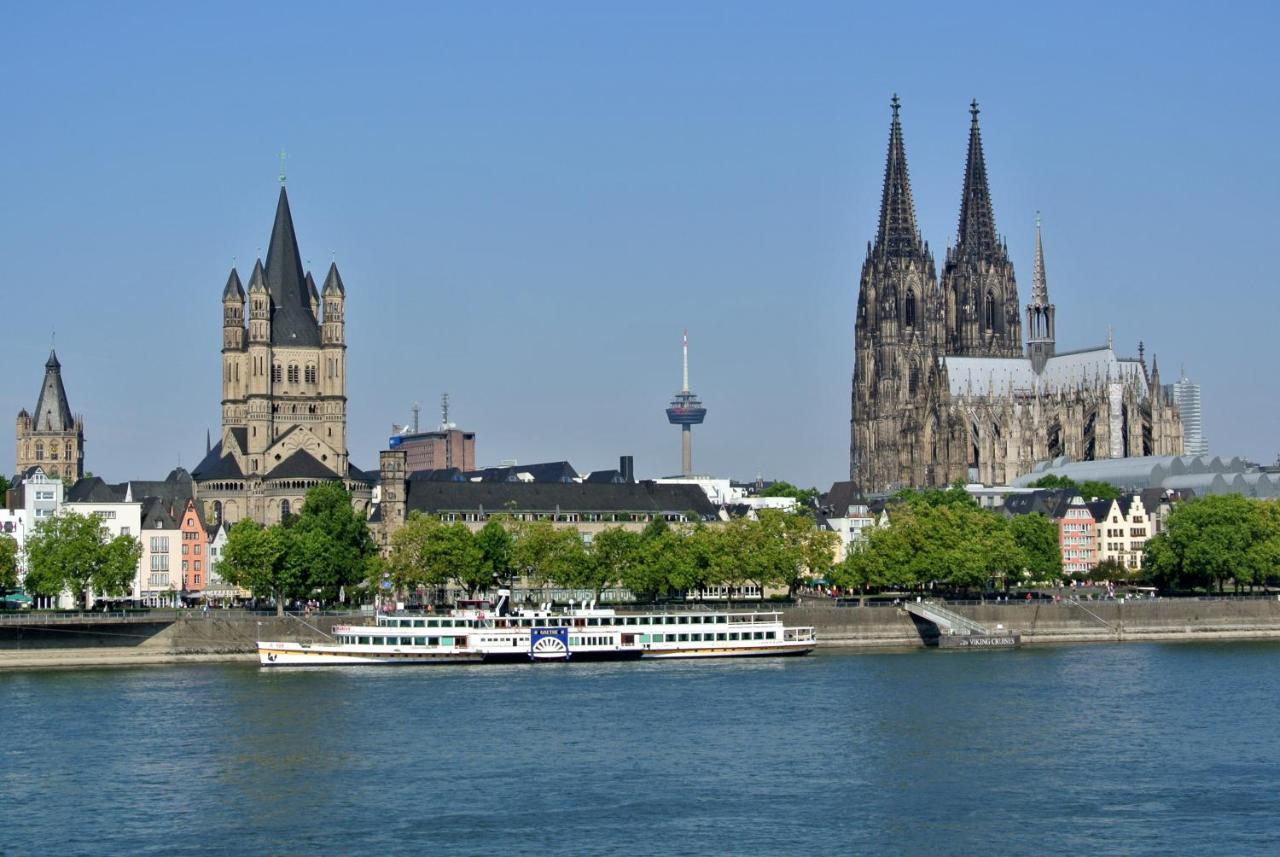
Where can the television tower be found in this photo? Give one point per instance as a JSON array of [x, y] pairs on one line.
[[686, 411]]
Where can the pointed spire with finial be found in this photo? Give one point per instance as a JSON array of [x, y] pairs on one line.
[[292, 322], [1039, 284], [898, 234], [977, 232]]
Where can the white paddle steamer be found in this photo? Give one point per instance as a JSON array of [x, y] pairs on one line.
[[480, 632]]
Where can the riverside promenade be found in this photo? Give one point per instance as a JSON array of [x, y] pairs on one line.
[[34, 641]]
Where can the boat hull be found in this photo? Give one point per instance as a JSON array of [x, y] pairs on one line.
[[302, 655], [753, 652]]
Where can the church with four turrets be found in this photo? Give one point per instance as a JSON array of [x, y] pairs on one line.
[[284, 390], [944, 388]]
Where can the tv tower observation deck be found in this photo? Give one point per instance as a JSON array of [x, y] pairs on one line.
[[686, 411]]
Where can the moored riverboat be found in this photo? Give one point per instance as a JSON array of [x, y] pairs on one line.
[[484, 632]]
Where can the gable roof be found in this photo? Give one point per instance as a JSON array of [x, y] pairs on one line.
[[215, 465], [300, 465]]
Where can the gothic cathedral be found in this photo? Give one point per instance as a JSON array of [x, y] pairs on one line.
[[944, 389], [284, 390]]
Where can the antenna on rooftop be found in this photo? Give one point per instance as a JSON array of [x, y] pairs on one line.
[[417, 411], [444, 410]]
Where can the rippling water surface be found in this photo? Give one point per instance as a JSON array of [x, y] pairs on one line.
[[1133, 749]]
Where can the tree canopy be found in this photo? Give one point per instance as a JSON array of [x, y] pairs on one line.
[[1088, 489], [75, 553], [8, 563], [1216, 539], [319, 552]]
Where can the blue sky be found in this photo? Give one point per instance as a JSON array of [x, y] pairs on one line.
[[529, 202]]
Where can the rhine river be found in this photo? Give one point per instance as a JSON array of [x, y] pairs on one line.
[[1098, 750]]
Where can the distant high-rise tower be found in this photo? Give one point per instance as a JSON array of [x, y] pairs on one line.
[[1186, 395], [686, 411]]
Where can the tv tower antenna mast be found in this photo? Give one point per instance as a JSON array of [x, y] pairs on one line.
[[686, 411], [417, 411]]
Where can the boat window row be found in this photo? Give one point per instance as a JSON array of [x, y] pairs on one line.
[[427, 623], [405, 641], [721, 637], [589, 641]]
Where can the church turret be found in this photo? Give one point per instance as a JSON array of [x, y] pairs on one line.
[[982, 313], [1040, 313], [259, 306], [314, 297], [233, 313], [335, 296]]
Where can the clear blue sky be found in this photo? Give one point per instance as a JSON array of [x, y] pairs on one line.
[[528, 202]]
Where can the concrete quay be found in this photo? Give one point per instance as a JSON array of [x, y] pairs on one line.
[[1040, 622]]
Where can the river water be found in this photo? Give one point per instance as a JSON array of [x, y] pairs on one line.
[[1121, 749]]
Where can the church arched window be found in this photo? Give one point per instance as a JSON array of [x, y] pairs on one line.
[[217, 511], [909, 313], [913, 383], [991, 311], [285, 510], [293, 373], [67, 451], [39, 450], [276, 373], [311, 373]]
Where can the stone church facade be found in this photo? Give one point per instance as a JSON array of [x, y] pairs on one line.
[[945, 389], [284, 390]]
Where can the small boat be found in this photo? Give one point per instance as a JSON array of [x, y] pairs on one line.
[[488, 632]]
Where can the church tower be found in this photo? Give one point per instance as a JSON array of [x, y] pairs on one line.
[[1040, 321], [51, 438], [981, 295], [897, 432]]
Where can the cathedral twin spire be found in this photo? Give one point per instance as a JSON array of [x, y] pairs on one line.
[[977, 231], [898, 234]]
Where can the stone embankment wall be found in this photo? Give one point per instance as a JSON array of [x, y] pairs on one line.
[[1041, 622], [194, 636]]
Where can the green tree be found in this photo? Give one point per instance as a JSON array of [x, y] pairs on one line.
[[1037, 536], [495, 544], [426, 552], [330, 541], [8, 563], [615, 552], [952, 495], [1109, 570], [806, 498], [808, 552], [5, 485], [861, 569], [949, 542], [545, 554], [75, 553], [1089, 489], [1214, 539], [260, 560]]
